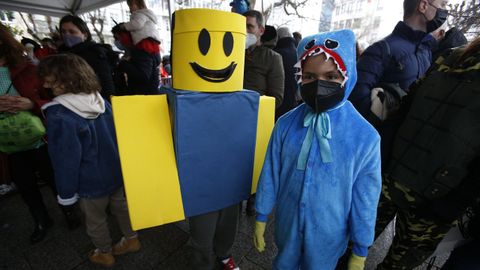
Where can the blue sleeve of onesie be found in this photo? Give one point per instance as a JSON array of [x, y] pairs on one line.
[[269, 178], [360, 250], [365, 196], [262, 218]]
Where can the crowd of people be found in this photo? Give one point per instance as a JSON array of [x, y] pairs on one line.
[[361, 138]]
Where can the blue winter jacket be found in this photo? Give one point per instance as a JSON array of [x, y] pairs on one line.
[[83, 152], [406, 58]]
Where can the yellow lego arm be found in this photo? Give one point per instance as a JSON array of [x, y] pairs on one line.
[[265, 123], [147, 157]]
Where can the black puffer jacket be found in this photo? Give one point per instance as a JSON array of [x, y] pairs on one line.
[[142, 73], [99, 57], [286, 48]]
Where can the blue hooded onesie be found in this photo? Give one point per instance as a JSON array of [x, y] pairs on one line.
[[322, 173]]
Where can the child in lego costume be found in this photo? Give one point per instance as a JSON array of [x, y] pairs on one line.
[[322, 169], [209, 163]]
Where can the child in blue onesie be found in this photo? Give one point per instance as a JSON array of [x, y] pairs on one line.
[[322, 168]]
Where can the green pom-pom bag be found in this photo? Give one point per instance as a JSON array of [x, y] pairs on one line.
[[20, 131]]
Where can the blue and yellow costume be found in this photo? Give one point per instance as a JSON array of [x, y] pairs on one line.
[[322, 173], [215, 150]]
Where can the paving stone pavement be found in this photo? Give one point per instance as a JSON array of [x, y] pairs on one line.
[[165, 247]]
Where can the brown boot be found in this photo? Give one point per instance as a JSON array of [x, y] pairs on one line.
[[102, 258], [126, 246]]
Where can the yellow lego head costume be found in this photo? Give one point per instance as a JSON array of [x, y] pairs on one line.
[[208, 50]]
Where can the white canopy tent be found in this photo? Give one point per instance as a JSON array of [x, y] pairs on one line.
[[57, 8]]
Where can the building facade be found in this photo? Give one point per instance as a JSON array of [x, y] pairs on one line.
[[370, 20]]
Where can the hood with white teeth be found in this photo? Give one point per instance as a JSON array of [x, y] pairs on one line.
[[338, 45]]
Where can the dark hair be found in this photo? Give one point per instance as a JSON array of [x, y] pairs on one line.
[[409, 7], [297, 35], [140, 3], [26, 41], [118, 28], [79, 23], [257, 15], [71, 71], [10, 48]]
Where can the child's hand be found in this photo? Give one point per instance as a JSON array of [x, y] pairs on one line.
[[258, 238], [356, 262]]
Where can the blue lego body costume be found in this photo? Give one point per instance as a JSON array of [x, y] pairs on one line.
[[322, 173], [214, 155]]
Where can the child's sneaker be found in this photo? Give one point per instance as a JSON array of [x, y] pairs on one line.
[[126, 246], [229, 264], [102, 258]]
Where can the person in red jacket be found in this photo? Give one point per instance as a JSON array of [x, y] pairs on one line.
[[21, 90], [48, 48]]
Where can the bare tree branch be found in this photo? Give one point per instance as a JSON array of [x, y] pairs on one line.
[[97, 20], [51, 27], [287, 5], [465, 16], [30, 30]]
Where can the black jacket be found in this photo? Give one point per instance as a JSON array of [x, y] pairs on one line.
[[436, 154], [142, 73], [99, 57], [286, 48], [453, 38]]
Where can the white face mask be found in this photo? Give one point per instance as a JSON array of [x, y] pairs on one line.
[[250, 40]]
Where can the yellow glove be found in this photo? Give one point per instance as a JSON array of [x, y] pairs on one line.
[[356, 262], [258, 238]]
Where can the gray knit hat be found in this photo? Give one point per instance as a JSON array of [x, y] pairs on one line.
[[283, 32]]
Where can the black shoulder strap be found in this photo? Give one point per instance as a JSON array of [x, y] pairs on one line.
[[9, 87], [387, 50]]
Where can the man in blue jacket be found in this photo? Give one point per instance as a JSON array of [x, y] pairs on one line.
[[400, 58], [404, 55]]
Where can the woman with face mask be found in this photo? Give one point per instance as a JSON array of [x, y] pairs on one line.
[[21, 90], [78, 40]]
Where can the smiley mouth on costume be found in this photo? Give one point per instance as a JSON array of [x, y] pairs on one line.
[[214, 75]]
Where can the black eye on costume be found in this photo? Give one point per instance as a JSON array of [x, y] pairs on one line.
[[204, 41], [331, 44], [310, 44], [228, 43]]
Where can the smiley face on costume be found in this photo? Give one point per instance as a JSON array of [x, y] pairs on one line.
[[214, 75], [208, 50]]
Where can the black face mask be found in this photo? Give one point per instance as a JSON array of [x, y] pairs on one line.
[[438, 20], [322, 95]]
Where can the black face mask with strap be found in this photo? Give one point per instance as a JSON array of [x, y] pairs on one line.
[[438, 20], [322, 95]]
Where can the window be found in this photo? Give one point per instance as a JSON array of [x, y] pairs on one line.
[[376, 23], [348, 24], [379, 5], [357, 23], [165, 5], [335, 25]]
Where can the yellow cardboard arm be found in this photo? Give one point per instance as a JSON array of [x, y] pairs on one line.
[[147, 156], [266, 121]]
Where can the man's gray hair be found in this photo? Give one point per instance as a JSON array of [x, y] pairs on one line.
[[258, 16]]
